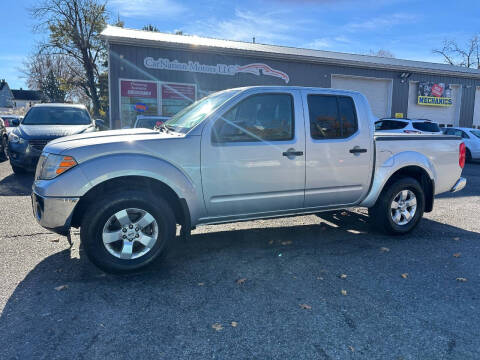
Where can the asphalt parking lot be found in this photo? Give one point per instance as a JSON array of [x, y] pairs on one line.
[[301, 287]]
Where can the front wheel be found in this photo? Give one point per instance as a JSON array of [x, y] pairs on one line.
[[4, 152], [126, 231], [399, 207]]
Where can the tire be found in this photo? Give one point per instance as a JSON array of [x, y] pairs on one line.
[[385, 213], [17, 170], [99, 221], [468, 156], [4, 152]]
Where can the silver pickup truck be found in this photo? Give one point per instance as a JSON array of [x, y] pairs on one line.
[[239, 154]]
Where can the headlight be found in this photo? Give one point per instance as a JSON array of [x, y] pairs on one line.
[[13, 138], [51, 165]]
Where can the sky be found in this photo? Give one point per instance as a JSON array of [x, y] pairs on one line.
[[409, 29]]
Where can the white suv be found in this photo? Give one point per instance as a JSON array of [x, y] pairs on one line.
[[408, 126]]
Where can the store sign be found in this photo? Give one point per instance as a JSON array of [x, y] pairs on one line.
[[434, 94], [140, 107], [139, 89], [219, 69]]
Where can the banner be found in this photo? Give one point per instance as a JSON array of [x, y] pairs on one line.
[[434, 94]]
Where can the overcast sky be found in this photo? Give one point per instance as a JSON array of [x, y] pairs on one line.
[[409, 29]]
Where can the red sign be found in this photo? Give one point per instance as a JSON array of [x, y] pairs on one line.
[[139, 89], [178, 91], [437, 90]]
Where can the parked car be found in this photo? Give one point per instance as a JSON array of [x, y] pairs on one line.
[[9, 122], [235, 155], [471, 138], [43, 123], [149, 122], [3, 142], [408, 126]]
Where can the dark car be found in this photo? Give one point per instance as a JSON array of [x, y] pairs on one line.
[[8, 121], [3, 142], [43, 123]]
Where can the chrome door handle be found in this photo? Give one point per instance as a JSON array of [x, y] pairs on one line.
[[357, 150], [292, 152]]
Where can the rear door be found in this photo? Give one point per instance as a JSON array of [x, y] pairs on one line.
[[339, 149], [253, 156]]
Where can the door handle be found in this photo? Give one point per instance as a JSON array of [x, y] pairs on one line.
[[292, 152], [357, 150]]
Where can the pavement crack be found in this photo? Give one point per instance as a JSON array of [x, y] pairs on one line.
[[25, 235]]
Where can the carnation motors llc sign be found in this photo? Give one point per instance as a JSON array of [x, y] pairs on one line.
[[257, 69]]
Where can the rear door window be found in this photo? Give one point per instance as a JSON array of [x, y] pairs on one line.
[[332, 117], [426, 126], [390, 125]]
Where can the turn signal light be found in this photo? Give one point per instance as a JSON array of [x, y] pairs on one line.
[[66, 163], [462, 155]]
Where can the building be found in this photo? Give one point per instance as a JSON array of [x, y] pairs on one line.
[[6, 95], [26, 98], [159, 74], [18, 99]]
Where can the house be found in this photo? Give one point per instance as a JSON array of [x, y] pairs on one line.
[[18, 99], [6, 96], [26, 98]]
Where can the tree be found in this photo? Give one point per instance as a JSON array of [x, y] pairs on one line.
[[150, 27], [467, 56], [74, 27], [42, 69], [381, 53], [52, 90]]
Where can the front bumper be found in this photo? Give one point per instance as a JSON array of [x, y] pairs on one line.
[[23, 155], [54, 213], [459, 185]]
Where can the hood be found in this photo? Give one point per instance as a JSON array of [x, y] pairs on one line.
[[51, 131], [86, 146]]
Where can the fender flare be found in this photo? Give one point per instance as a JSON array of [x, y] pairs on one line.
[[392, 165]]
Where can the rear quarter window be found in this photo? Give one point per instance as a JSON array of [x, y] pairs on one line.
[[426, 126]]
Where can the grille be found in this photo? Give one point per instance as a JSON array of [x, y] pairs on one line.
[[38, 144]]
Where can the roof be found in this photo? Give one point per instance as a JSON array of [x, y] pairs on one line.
[[80, 106], [120, 35], [32, 95]]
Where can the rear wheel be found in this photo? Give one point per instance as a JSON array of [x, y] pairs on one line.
[[399, 207], [124, 233]]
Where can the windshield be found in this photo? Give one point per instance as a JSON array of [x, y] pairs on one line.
[[194, 114], [56, 115], [476, 133], [426, 126]]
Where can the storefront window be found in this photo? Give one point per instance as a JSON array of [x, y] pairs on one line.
[[176, 97], [137, 98]]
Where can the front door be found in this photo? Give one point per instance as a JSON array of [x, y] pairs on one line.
[[253, 156], [339, 150]]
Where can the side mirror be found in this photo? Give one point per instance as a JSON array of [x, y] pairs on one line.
[[15, 122], [100, 123]]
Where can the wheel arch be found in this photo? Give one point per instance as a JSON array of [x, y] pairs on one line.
[[153, 186], [421, 175]]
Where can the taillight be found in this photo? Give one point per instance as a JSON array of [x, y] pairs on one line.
[[462, 155]]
